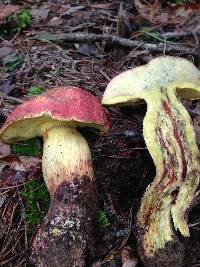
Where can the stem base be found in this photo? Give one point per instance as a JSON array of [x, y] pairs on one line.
[[65, 236]]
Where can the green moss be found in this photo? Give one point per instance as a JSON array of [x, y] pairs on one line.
[[31, 147], [102, 219], [21, 19], [35, 90], [37, 200], [16, 22]]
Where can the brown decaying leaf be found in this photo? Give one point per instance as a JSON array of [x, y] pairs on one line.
[[15, 170], [128, 257], [55, 21], [82, 17], [4, 51], [6, 87], [40, 14], [177, 14], [6, 10], [4, 150], [87, 50]]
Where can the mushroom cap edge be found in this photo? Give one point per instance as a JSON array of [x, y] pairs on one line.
[[71, 106]]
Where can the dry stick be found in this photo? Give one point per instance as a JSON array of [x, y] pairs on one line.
[[115, 40], [11, 98], [179, 34]]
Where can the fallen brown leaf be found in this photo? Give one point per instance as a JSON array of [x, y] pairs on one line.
[[4, 150], [40, 14], [7, 10], [15, 170], [148, 11], [79, 18], [6, 87], [128, 257], [55, 21], [4, 51], [176, 14], [180, 14], [87, 50]]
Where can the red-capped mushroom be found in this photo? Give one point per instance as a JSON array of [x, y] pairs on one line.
[[65, 236]]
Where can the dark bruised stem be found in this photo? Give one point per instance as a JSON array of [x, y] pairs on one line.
[[170, 138], [65, 236]]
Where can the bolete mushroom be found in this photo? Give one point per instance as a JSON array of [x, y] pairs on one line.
[[170, 139], [65, 235]]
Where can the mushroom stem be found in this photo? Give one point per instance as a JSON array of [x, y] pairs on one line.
[[170, 138], [64, 235], [66, 156]]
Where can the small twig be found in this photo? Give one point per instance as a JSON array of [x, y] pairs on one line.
[[79, 27], [115, 40], [179, 34], [11, 98], [194, 223], [105, 75], [3, 193]]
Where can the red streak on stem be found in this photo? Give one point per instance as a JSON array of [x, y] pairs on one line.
[[178, 139], [167, 167]]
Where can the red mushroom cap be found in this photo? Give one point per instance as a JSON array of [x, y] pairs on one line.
[[63, 105]]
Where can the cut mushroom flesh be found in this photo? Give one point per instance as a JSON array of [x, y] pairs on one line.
[[170, 139]]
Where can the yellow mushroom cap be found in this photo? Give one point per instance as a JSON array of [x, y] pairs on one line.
[[166, 72]]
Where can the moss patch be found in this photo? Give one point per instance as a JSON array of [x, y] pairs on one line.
[[37, 200], [16, 22], [102, 219], [35, 90], [29, 148]]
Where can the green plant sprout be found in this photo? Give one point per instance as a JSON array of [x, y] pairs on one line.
[[102, 219], [16, 22], [35, 90], [21, 20]]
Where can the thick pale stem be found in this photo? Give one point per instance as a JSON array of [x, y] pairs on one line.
[[170, 138], [66, 156], [65, 235]]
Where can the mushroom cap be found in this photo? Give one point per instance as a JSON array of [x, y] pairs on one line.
[[58, 107], [144, 82]]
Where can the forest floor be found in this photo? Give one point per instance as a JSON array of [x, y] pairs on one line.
[[50, 43]]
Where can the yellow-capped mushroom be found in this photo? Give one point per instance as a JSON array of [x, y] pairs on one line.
[[170, 139]]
